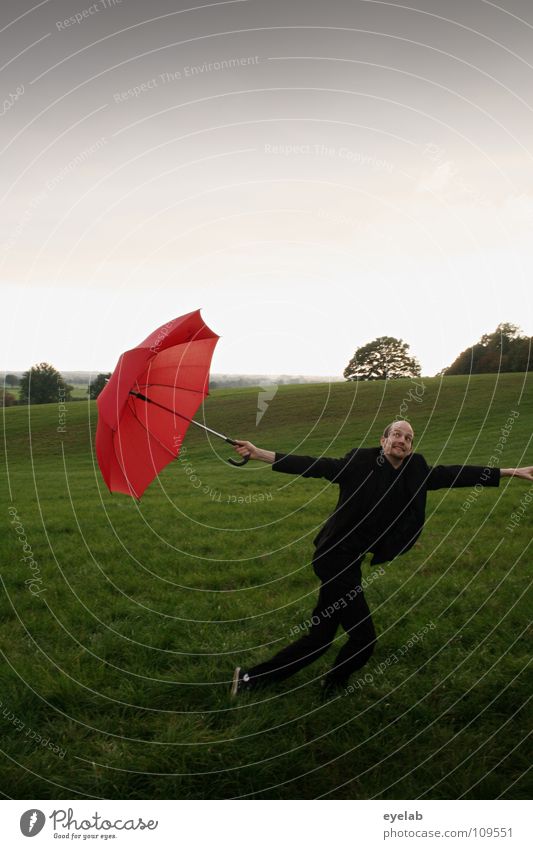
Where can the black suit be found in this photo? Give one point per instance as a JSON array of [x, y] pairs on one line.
[[379, 509], [358, 477]]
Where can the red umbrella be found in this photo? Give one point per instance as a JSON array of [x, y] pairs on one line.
[[146, 407]]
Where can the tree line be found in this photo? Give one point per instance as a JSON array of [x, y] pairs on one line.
[[388, 358], [44, 384], [507, 349]]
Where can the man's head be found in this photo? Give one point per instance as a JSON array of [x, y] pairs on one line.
[[397, 441]]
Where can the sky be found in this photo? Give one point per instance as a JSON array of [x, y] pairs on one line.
[[311, 175]]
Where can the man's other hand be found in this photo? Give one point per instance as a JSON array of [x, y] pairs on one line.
[[525, 472]]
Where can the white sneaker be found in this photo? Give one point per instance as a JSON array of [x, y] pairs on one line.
[[241, 682]]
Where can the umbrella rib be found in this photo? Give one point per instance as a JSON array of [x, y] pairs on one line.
[[171, 386], [124, 472]]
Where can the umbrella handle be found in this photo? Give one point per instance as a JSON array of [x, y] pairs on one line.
[[237, 462]]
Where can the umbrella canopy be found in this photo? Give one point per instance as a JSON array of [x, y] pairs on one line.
[[146, 407]]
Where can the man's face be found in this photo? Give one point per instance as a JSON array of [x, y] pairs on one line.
[[399, 443]]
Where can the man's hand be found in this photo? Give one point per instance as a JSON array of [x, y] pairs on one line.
[[247, 449], [526, 472]]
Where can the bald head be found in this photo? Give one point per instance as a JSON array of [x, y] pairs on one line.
[[397, 441], [401, 423]]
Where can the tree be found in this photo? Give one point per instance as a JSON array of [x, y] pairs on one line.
[[11, 380], [43, 384], [386, 358], [7, 399], [502, 351], [502, 338], [520, 357], [96, 385]]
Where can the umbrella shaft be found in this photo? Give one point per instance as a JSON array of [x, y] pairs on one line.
[[181, 416], [210, 429]]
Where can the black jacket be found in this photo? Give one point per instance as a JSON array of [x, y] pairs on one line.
[[356, 474]]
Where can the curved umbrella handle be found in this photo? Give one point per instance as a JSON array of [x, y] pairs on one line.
[[237, 462]]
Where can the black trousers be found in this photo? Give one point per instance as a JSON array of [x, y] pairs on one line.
[[340, 602]]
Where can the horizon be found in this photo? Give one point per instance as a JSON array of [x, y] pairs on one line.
[[213, 375], [266, 374]]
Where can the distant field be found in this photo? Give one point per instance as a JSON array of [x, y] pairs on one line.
[[117, 667], [79, 390]]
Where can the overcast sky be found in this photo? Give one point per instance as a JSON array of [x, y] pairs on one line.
[[311, 174]]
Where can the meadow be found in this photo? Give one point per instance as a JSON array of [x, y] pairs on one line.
[[121, 627]]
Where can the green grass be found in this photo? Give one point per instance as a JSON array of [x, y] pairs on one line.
[[123, 661]]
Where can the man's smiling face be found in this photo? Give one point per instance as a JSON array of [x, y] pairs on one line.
[[398, 443]]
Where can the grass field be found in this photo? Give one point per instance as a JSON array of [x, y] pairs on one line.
[[120, 635]]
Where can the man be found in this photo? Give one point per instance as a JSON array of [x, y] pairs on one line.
[[381, 509]]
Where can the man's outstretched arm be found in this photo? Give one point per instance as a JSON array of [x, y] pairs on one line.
[[329, 468], [447, 477]]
